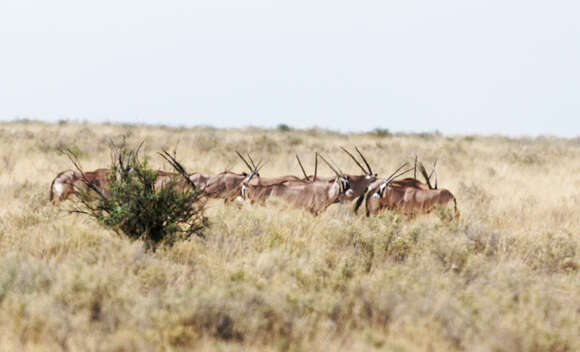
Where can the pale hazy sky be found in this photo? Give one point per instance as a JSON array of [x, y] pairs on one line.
[[508, 67]]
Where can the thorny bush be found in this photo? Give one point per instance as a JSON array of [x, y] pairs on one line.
[[132, 206]]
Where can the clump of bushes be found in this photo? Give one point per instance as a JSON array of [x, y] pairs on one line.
[[381, 132], [284, 128], [133, 207]]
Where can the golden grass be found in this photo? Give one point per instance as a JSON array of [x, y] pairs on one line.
[[503, 278]]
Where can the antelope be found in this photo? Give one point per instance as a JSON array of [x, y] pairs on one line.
[[313, 195], [199, 180], [413, 182], [232, 193], [70, 182], [224, 185], [221, 185], [227, 183], [409, 196], [358, 183]]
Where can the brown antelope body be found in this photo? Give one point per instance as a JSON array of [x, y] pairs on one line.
[[70, 182], [199, 180], [314, 196], [358, 183], [409, 196], [229, 187], [224, 184], [408, 200]]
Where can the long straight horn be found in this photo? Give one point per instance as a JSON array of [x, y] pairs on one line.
[[434, 172], [252, 161], [353, 158], [260, 165], [330, 166], [365, 160], [244, 160], [415, 172], [315, 165], [399, 169], [301, 167], [399, 174], [425, 175], [336, 166]]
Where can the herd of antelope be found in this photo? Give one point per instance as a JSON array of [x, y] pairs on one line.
[[314, 193]]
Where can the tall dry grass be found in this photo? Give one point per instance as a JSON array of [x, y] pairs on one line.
[[503, 278]]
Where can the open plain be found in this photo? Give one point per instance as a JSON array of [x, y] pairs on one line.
[[504, 277]]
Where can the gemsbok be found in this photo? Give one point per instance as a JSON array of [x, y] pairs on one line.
[[409, 196], [233, 192], [226, 184], [219, 186], [70, 182], [359, 184], [313, 195], [199, 180]]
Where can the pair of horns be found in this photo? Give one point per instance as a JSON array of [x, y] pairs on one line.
[[396, 174], [253, 167], [428, 176], [177, 166], [315, 166], [369, 171]]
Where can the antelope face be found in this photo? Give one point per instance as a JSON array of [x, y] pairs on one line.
[[358, 186], [244, 186], [370, 179], [345, 186]]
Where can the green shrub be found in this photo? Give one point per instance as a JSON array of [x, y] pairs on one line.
[[381, 132], [132, 206], [284, 128]]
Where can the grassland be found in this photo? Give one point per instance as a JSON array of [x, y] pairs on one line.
[[503, 278]]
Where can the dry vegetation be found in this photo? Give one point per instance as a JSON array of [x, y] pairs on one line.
[[503, 278]]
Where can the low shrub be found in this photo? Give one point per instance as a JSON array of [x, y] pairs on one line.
[[132, 205]]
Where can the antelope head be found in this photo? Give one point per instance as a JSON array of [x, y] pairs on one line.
[[360, 183], [250, 167], [342, 182], [254, 171]]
